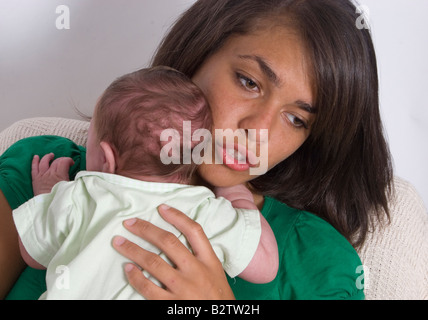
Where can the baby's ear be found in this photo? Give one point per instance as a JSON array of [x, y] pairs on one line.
[[109, 160]]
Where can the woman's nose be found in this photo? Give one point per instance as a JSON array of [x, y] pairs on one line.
[[257, 126]]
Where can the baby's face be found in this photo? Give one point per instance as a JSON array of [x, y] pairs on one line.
[[93, 150]]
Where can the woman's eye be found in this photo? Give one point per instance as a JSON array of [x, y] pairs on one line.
[[296, 121], [247, 83]]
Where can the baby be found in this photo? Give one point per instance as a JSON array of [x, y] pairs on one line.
[[67, 228]]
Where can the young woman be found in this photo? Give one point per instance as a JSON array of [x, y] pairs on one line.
[[302, 70]]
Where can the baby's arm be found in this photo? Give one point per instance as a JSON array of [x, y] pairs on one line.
[[44, 176], [264, 265], [28, 259]]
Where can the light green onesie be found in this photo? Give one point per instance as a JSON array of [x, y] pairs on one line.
[[70, 231]]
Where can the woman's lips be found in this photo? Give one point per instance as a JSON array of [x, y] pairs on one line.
[[238, 157]]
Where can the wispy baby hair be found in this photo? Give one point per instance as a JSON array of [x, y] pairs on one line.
[[135, 109]]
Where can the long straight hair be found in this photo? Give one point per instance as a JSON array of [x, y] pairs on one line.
[[343, 172]]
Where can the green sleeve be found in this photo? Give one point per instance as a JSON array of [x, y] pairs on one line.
[[15, 164], [315, 261], [16, 185], [322, 262], [30, 285]]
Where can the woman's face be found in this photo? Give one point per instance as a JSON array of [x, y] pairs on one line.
[[258, 81]]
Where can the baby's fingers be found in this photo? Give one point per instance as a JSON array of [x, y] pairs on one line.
[[35, 167], [44, 164], [61, 166]]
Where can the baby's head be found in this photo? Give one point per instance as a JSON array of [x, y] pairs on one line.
[[130, 117]]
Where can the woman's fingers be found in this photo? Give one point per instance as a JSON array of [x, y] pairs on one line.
[[148, 261], [201, 270], [143, 259], [160, 238], [199, 276], [192, 230], [144, 286]]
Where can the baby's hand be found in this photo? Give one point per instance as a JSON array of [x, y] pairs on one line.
[[45, 176], [239, 191], [240, 196]]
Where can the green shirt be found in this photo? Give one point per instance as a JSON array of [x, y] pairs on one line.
[[316, 262]]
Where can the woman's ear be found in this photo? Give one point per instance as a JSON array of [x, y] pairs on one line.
[[109, 160]]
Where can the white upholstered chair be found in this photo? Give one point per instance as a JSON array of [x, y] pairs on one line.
[[395, 256]]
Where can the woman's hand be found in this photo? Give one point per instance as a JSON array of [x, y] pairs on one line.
[[196, 276]]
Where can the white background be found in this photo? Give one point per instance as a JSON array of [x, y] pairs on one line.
[[48, 72]]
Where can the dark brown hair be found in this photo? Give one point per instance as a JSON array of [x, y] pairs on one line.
[[135, 109], [343, 172]]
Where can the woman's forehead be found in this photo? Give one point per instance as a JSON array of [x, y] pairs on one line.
[[278, 52]]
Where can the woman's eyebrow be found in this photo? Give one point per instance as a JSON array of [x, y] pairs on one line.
[[271, 75], [306, 107], [264, 67]]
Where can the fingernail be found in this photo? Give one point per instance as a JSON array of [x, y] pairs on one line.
[[164, 207], [118, 240], [129, 267], [130, 222]]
